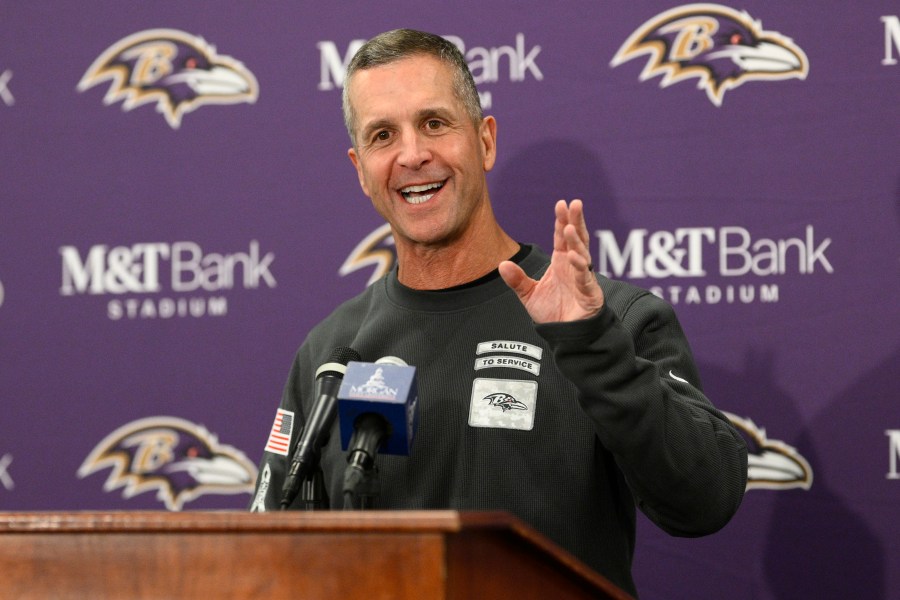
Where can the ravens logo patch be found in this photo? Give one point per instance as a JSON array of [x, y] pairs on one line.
[[505, 402]]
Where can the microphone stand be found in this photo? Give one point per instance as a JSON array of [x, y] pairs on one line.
[[361, 485], [313, 495]]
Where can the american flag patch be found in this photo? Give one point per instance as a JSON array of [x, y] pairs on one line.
[[280, 436]]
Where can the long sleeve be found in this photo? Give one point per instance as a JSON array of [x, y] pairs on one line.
[[636, 379], [274, 464]]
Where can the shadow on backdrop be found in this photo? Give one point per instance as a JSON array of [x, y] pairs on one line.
[[818, 547], [527, 184]]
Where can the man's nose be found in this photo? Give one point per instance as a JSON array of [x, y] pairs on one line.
[[415, 151]]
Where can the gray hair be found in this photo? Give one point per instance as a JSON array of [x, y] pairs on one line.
[[398, 44]]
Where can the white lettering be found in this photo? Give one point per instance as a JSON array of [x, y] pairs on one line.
[[768, 293], [695, 237], [894, 452], [178, 282], [217, 307], [769, 257], [526, 61], [486, 100], [259, 501], [510, 346], [137, 269], [114, 310], [76, 275], [5, 478], [692, 296], [331, 68], [166, 308], [5, 94], [725, 250], [116, 271], [197, 306], [481, 65], [817, 254], [484, 63], [514, 362], [612, 260], [713, 294], [891, 34], [680, 253], [192, 270], [665, 256], [123, 272]]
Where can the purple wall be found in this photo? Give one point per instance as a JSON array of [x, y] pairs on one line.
[[162, 254]]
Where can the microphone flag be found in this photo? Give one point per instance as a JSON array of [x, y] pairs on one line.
[[385, 389]]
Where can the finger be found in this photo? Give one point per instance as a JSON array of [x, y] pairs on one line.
[[516, 279], [576, 243], [562, 219], [585, 280], [576, 217]]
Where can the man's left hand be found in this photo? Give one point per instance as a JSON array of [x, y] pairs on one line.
[[568, 290]]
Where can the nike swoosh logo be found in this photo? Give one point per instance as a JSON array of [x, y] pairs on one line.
[[677, 378]]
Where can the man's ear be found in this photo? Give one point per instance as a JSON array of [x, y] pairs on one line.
[[354, 158], [488, 135]]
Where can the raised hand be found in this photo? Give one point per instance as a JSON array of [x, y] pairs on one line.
[[568, 290]]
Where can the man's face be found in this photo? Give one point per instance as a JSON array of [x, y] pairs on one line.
[[418, 155]]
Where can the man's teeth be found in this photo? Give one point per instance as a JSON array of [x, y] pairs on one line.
[[414, 194], [422, 188]]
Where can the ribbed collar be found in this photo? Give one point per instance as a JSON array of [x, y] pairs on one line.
[[533, 263]]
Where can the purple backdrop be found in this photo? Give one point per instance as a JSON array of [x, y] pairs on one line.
[[177, 206]]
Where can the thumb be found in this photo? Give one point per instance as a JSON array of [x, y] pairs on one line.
[[516, 278]]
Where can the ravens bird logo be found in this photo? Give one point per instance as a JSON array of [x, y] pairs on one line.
[[718, 45], [771, 464], [178, 459], [377, 249], [178, 71], [505, 401]]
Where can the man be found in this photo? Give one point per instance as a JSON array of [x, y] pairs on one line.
[[583, 401]]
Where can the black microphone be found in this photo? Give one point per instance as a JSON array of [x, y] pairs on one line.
[[318, 425]]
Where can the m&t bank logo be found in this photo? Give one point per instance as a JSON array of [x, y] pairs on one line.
[[134, 273], [727, 261]]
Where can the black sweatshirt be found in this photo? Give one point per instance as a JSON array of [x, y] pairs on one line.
[[568, 426]]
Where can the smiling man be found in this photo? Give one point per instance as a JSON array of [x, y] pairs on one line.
[[562, 397], [422, 157]]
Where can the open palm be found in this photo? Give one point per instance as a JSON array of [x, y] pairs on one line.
[[568, 290]]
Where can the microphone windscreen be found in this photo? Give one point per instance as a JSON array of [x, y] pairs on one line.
[[385, 389], [337, 362]]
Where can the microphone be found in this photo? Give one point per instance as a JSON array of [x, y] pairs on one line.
[[377, 411], [318, 425]]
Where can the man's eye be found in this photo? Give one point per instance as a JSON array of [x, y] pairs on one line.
[[433, 124], [382, 136]]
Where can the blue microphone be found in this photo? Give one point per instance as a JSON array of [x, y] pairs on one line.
[[377, 413], [386, 389]]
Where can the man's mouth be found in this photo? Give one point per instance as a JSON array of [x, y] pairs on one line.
[[417, 194]]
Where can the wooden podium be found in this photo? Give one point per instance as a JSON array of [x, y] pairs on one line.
[[393, 555]]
